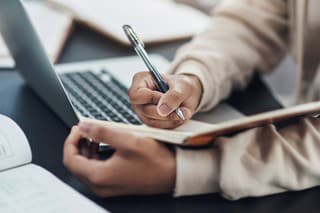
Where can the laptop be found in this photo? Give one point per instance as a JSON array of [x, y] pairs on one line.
[[96, 89], [73, 91]]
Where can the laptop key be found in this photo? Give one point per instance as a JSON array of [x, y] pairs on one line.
[[104, 100]]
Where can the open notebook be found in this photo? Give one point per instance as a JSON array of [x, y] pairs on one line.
[[154, 20], [25, 187], [53, 28], [196, 133]]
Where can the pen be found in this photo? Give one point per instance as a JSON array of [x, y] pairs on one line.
[[139, 48]]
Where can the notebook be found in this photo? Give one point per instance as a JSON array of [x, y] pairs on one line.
[[52, 26], [196, 133], [154, 20], [26, 187]]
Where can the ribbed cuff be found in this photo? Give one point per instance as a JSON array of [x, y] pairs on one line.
[[197, 172]]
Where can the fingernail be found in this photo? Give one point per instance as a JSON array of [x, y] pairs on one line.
[[84, 127], [164, 109]]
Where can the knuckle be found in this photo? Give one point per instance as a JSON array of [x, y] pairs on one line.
[[155, 98], [140, 75], [132, 94], [136, 76], [74, 128], [99, 133]]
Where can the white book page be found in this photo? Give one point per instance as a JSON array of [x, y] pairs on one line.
[[32, 189], [219, 114], [153, 20], [52, 27], [204, 122], [14, 146]]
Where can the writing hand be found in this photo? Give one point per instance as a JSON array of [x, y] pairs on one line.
[[157, 109]]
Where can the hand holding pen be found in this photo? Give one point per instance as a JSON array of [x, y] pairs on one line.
[[178, 97]]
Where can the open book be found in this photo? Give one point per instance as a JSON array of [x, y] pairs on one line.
[[53, 28], [154, 20], [196, 133], [25, 187]]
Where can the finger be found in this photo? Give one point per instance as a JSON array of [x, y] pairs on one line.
[[170, 101], [178, 92], [163, 124], [141, 84], [143, 80], [76, 163], [72, 141], [144, 96], [97, 131], [150, 111]]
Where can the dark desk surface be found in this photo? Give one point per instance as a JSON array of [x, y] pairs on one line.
[[46, 134]]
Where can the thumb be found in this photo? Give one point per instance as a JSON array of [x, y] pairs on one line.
[[100, 132], [170, 101]]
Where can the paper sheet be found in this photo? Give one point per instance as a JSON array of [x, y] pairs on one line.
[[14, 146], [31, 189], [221, 113], [52, 27], [154, 20]]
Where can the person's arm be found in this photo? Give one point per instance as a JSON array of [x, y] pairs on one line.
[[257, 162], [242, 36]]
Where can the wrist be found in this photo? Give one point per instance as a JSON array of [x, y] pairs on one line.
[[197, 85]]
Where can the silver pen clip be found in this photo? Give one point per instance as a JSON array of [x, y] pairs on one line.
[[132, 36]]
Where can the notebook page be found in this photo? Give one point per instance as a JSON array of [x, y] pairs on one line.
[[52, 26], [221, 113], [32, 189], [14, 146], [154, 20]]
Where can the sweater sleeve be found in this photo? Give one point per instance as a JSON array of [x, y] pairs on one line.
[[242, 36], [256, 162]]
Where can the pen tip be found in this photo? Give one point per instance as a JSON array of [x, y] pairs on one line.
[[180, 114]]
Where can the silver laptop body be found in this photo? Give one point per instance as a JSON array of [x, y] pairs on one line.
[[71, 94]]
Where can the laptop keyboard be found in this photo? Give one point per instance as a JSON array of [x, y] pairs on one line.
[[99, 96]]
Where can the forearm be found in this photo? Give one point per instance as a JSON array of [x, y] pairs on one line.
[[257, 162], [242, 37]]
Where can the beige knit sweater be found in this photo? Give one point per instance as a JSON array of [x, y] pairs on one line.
[[248, 35]]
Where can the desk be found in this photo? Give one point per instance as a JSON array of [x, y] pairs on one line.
[[46, 133]]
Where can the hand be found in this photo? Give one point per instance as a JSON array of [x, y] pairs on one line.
[[157, 109], [139, 165]]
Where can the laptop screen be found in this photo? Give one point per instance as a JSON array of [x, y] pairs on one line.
[[31, 59]]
